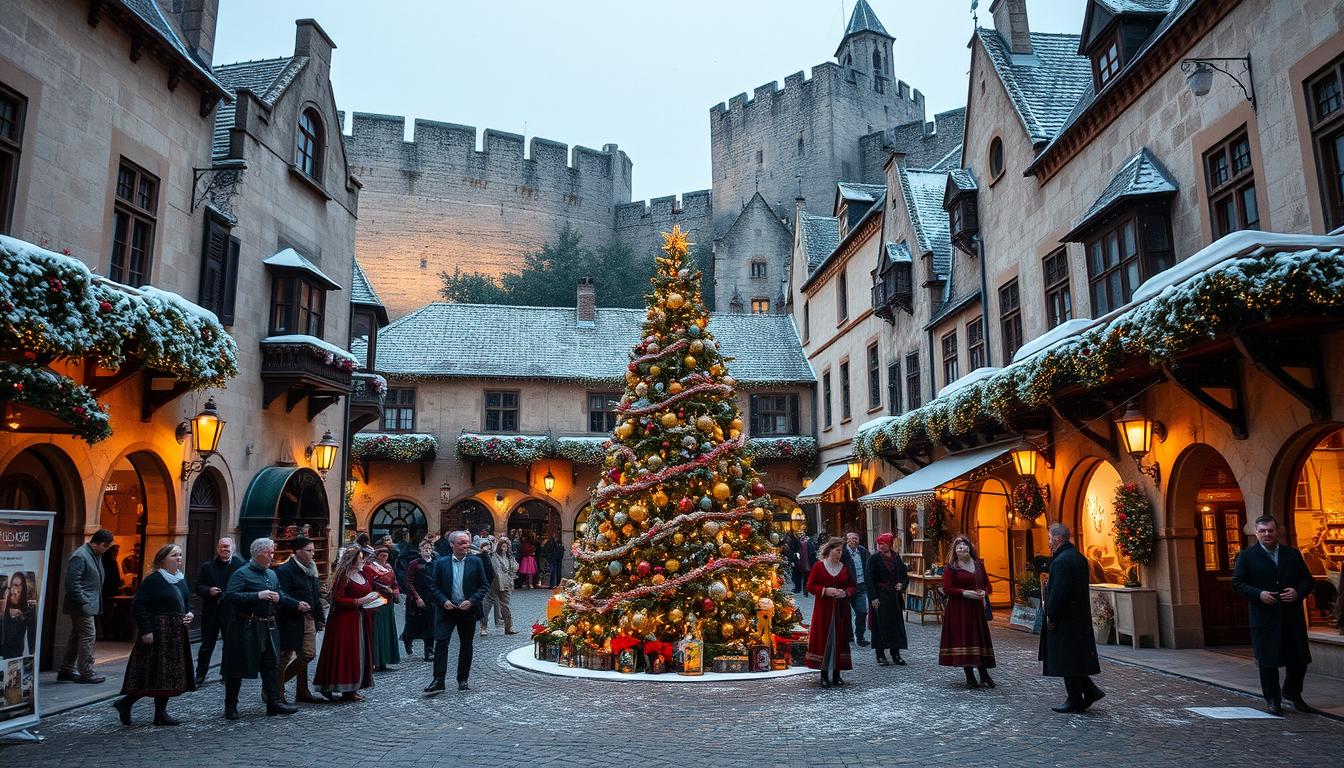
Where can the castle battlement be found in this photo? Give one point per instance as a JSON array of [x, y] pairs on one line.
[[440, 146], [797, 86], [641, 212]]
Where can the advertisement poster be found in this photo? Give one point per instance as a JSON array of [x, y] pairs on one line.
[[24, 541]]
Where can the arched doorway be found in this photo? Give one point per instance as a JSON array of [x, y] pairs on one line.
[[1095, 525], [397, 516], [789, 516], [43, 479], [204, 506], [1314, 519], [1205, 495], [136, 508], [990, 529], [534, 518], [467, 515]]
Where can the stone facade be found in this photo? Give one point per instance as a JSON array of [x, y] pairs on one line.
[[751, 261]]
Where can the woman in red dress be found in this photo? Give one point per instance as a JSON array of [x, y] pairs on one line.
[[832, 583], [966, 642], [346, 663]]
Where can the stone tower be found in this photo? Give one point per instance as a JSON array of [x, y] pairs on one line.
[[797, 141]]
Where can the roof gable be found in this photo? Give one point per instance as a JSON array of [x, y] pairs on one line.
[[923, 194], [1142, 175], [1044, 86], [267, 79], [821, 234]]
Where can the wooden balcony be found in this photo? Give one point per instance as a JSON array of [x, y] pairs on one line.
[[300, 371], [366, 400]]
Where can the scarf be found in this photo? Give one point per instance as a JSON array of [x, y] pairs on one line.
[[172, 578], [310, 569]]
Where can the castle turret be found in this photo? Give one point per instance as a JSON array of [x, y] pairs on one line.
[[866, 46]]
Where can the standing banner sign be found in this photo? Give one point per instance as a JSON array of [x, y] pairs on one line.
[[25, 543]]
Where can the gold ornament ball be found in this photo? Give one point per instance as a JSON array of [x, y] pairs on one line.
[[654, 370], [674, 387], [758, 513], [627, 530], [672, 565], [571, 630], [639, 621], [586, 591], [659, 499], [675, 300], [658, 578], [725, 549], [655, 462], [726, 630], [735, 424], [641, 389], [597, 575], [710, 528], [638, 513], [669, 419], [717, 590], [678, 539], [704, 423], [697, 346], [675, 616], [625, 429], [722, 491], [689, 361]]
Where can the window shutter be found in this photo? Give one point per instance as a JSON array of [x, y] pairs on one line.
[[794, 428], [229, 288], [213, 263]]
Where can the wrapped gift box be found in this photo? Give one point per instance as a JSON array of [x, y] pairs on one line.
[[730, 664]]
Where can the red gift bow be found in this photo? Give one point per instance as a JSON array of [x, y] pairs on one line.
[[622, 642], [654, 647]]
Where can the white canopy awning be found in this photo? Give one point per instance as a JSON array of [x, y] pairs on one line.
[[925, 480], [828, 478]]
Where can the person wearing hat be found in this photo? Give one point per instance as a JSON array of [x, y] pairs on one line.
[[887, 581]]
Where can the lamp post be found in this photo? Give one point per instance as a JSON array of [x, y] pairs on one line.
[[205, 429], [1136, 433], [323, 453]]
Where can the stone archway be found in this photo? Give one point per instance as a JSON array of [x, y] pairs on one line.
[[1305, 491], [205, 506], [139, 507], [989, 526], [1086, 506], [43, 478]]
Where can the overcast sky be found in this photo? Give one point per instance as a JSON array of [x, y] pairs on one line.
[[639, 74]]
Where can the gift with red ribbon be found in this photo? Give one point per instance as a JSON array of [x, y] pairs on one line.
[[621, 642]]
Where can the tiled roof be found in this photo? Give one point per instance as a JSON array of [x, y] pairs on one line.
[[864, 193], [148, 12], [361, 291], [923, 193], [494, 341], [876, 208], [898, 253], [1136, 6], [1045, 85], [951, 307], [267, 78], [864, 20], [1141, 175], [821, 234]]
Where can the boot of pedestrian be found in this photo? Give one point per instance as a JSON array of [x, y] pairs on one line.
[[985, 679], [280, 708], [825, 679], [882, 658], [837, 680], [407, 642], [123, 707], [970, 678], [161, 716], [230, 710], [897, 660]]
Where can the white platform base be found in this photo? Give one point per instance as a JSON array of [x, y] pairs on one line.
[[523, 658]]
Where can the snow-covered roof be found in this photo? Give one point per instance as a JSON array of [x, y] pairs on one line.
[[1136, 6], [1141, 176], [923, 193], [983, 372], [876, 208], [151, 15], [301, 338], [443, 340], [863, 193], [1043, 86], [821, 234], [265, 78], [1052, 337], [362, 293], [898, 253], [292, 259]]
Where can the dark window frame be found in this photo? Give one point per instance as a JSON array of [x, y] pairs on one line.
[[894, 380], [367, 316], [13, 118], [219, 269], [1106, 62], [135, 221], [975, 343], [951, 366], [874, 377], [309, 144], [298, 306], [914, 396], [505, 417], [1229, 176], [1058, 299], [1010, 324], [759, 269], [846, 393], [997, 164], [1132, 247], [1325, 118], [605, 412], [807, 321], [827, 410], [399, 405], [841, 298], [774, 415], [760, 306]]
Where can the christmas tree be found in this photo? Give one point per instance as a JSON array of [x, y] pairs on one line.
[[679, 539]]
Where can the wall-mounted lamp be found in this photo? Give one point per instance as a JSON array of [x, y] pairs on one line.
[[1024, 460], [1199, 76], [445, 493], [499, 500], [855, 469], [548, 482], [1136, 433], [807, 480], [323, 453], [205, 429]]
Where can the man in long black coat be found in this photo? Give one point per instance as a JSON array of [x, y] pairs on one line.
[[458, 584], [1274, 579], [252, 641], [299, 625], [210, 583], [1068, 647]]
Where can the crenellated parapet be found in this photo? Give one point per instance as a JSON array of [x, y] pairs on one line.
[[640, 212]]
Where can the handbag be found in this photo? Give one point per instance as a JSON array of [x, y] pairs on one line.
[[984, 585]]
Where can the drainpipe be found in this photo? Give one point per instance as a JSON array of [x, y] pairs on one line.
[[984, 299]]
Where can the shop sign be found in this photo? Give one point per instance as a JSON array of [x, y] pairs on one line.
[[1024, 616], [25, 540]]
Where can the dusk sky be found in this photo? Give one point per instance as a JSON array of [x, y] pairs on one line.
[[591, 72]]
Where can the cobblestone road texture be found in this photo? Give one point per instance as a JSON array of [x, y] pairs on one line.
[[914, 715]]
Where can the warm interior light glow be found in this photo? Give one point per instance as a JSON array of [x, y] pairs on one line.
[[206, 427], [1136, 430], [548, 482], [807, 480], [855, 469], [1024, 459], [12, 420], [324, 453]]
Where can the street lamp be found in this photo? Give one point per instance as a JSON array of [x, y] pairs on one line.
[[548, 482], [1024, 459], [205, 429], [855, 469], [323, 453], [1136, 433], [1199, 76]]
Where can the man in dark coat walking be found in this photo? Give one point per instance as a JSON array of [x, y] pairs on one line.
[[299, 625], [251, 641], [1068, 647], [210, 583], [1274, 579], [458, 584]]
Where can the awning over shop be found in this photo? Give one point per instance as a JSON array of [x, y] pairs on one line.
[[829, 478], [282, 496], [923, 482]]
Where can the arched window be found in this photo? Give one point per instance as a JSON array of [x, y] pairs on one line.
[[849, 60], [396, 516], [877, 60], [995, 157], [308, 147]]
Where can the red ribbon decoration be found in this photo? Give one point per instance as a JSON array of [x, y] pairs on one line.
[[657, 648], [621, 642]]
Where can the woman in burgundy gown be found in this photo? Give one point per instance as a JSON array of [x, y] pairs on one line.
[[966, 642], [346, 663], [832, 583]]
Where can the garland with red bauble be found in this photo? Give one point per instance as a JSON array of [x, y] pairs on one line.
[[1135, 532], [48, 391]]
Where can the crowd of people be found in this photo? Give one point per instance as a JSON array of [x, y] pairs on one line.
[[453, 584]]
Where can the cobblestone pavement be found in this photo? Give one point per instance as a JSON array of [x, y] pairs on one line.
[[918, 714]]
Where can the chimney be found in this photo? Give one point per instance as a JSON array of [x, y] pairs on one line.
[[587, 303], [311, 40], [196, 20], [1010, 20]]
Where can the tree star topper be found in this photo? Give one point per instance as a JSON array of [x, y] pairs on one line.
[[675, 242]]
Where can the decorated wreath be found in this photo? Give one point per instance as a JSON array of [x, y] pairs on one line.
[[1028, 500], [1134, 529], [935, 524]]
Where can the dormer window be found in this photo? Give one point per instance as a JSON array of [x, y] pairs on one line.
[[959, 200], [893, 283], [1106, 63], [1113, 33], [298, 295], [308, 146]]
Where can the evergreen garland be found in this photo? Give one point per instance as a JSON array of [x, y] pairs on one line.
[[1134, 530]]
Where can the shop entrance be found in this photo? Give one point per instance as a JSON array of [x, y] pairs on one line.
[[135, 508], [466, 515], [397, 516], [203, 511], [990, 532], [1220, 518], [1315, 521]]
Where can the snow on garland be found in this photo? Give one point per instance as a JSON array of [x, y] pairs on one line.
[[331, 355], [520, 450], [800, 450], [1231, 294], [405, 448], [58, 395], [52, 305]]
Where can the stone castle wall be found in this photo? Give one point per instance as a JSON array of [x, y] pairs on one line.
[[437, 202], [640, 224], [810, 128]]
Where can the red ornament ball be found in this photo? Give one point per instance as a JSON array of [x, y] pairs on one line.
[[105, 306], [745, 531], [614, 474], [644, 568], [707, 605], [685, 504], [757, 489]]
